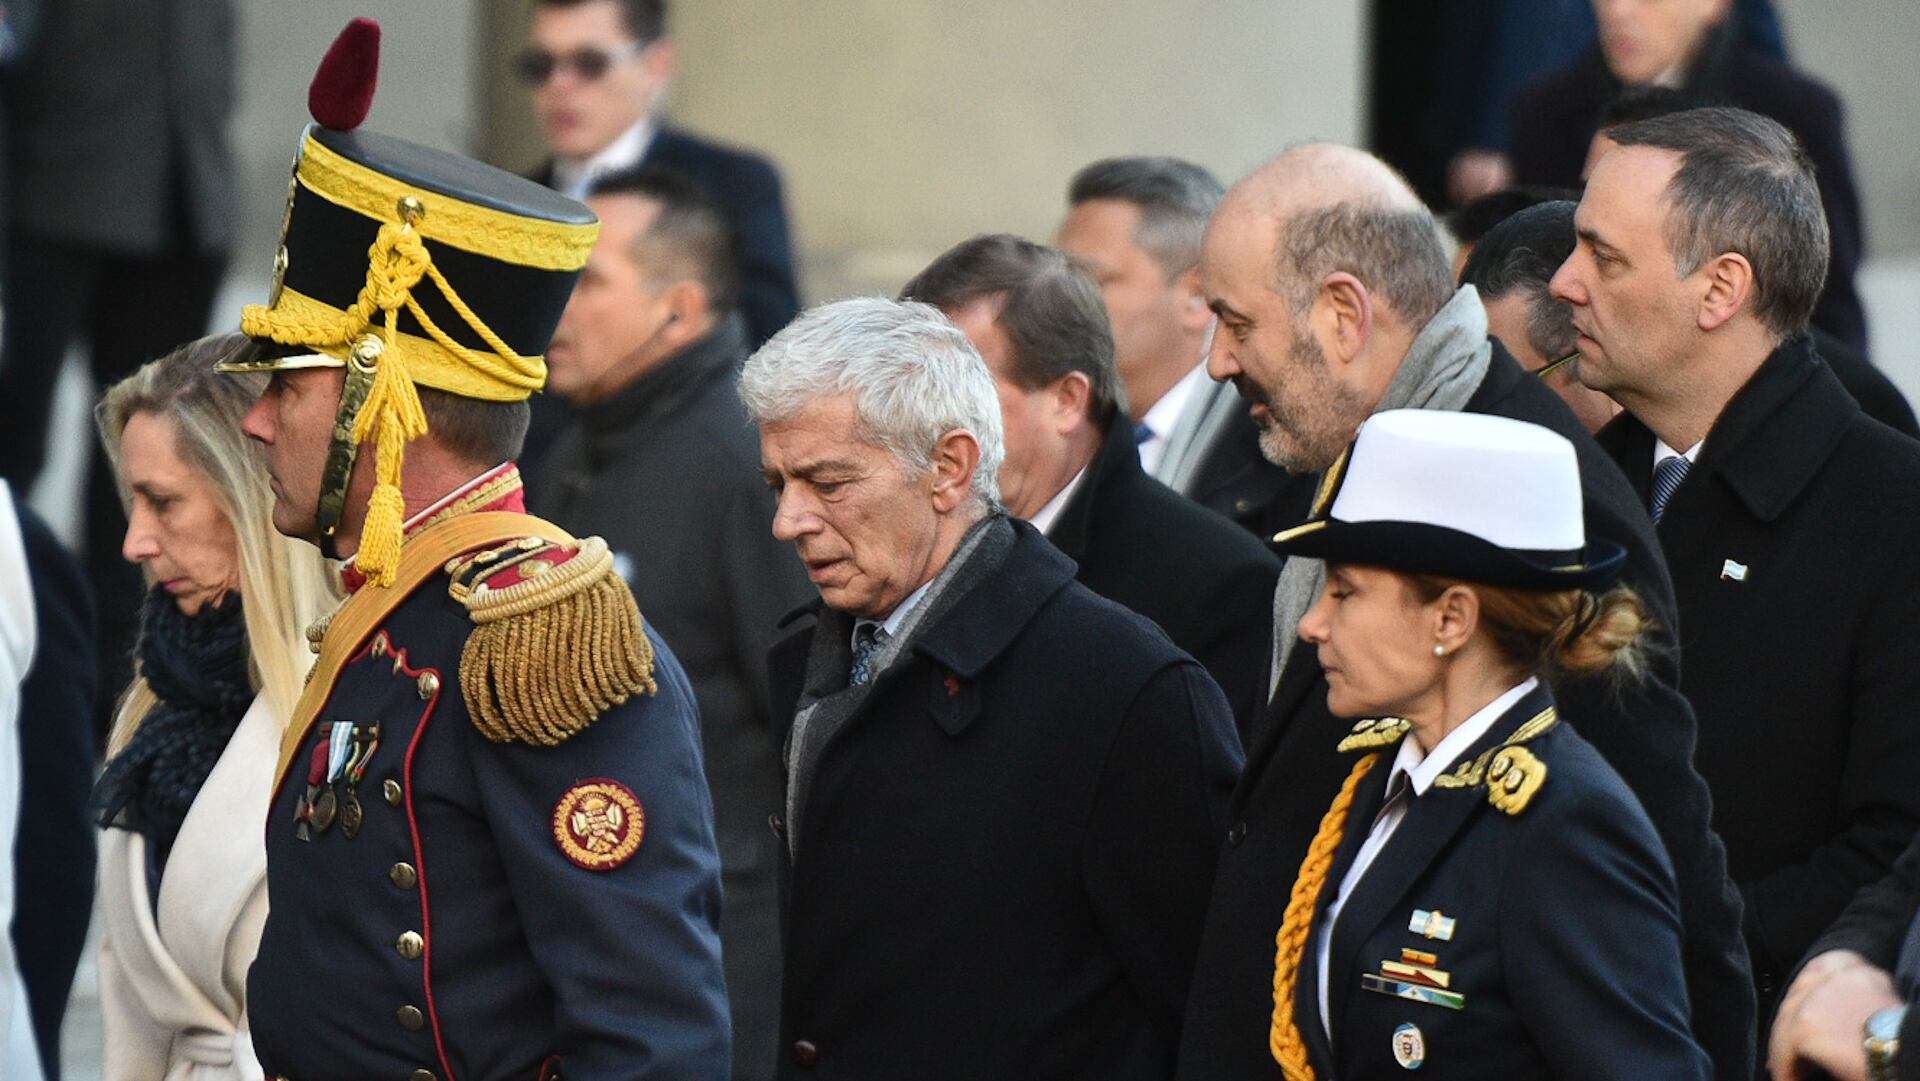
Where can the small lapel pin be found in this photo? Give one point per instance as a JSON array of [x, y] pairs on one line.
[[1431, 924], [1731, 571], [1409, 1046]]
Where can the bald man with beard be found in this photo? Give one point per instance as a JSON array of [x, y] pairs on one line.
[[1335, 302]]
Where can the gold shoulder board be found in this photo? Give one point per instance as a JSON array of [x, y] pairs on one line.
[[557, 639]]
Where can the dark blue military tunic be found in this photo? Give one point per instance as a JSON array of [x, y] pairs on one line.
[[485, 914]]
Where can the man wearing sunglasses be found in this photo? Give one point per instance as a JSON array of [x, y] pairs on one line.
[[599, 71]]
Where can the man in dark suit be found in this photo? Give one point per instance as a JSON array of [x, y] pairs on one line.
[[1336, 301], [1134, 225], [599, 70], [663, 463], [1701, 250], [1073, 471], [1849, 1011], [982, 752], [1698, 47]]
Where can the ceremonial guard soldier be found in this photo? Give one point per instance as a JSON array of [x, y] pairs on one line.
[[490, 854]]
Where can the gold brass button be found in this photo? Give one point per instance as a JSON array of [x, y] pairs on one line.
[[390, 788], [403, 875], [380, 645], [410, 945], [422, 1075], [411, 209], [429, 686], [411, 1018]]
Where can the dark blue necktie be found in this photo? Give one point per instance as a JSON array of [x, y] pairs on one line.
[[1666, 480], [868, 637], [1142, 432]]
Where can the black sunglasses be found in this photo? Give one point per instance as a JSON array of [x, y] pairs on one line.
[[536, 66]]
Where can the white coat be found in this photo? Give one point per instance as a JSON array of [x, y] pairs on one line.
[[19, 1057], [173, 983]]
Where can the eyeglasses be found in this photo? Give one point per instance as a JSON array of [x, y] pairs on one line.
[[536, 66], [1556, 365]]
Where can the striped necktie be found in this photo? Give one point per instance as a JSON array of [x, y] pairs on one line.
[[1666, 480]]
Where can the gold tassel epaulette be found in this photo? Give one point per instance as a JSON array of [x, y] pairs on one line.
[[557, 639], [1373, 734], [1511, 773]]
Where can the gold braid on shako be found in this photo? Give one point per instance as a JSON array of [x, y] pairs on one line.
[[557, 638], [409, 267]]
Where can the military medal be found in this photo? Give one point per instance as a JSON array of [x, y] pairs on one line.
[[325, 807], [1409, 1046], [303, 811], [364, 741], [350, 815]]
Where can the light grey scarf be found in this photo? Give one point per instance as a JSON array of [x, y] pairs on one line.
[[1445, 365], [827, 703]]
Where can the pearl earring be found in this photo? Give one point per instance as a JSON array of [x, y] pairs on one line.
[[1439, 651]]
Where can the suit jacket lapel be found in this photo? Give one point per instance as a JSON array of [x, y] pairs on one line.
[[1427, 832]]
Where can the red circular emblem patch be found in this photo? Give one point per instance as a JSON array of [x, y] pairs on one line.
[[598, 824]]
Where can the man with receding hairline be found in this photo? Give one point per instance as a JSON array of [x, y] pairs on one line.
[[1787, 516], [1336, 301], [1134, 224]]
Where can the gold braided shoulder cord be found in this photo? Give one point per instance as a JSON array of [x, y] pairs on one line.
[[1283, 1036]]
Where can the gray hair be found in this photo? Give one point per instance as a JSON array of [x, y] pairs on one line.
[[1744, 186], [1175, 198], [912, 374], [1395, 252]]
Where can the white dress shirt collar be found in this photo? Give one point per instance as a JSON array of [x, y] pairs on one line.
[[1165, 415], [1044, 518], [574, 178]]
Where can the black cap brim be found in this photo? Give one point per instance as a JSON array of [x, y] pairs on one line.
[[1423, 548]]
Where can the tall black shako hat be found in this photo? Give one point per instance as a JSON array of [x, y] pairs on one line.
[[1462, 495], [409, 267]]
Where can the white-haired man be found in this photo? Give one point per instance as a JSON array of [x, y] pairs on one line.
[[1005, 795]]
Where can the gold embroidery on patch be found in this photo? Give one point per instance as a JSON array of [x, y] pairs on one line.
[[598, 824]]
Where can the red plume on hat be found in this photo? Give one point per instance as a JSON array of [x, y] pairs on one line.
[[342, 90]]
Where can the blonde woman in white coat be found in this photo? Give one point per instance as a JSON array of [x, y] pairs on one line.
[[191, 761]]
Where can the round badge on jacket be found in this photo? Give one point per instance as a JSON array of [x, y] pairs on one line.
[[1409, 1046], [598, 824]]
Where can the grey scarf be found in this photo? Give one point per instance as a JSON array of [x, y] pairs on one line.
[[1445, 365], [827, 703]]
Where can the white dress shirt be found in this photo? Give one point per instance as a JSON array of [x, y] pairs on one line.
[[1043, 518], [1661, 452], [1164, 416], [574, 178], [891, 624], [1420, 769]]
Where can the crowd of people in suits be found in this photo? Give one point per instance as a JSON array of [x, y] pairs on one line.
[[1267, 630]]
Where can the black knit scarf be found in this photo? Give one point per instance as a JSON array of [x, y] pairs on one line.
[[197, 668]]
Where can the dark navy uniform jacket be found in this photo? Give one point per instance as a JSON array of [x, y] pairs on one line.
[[1565, 941], [525, 964]]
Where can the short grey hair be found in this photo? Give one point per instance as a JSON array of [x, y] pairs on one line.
[[1396, 252], [1744, 186], [1175, 198], [912, 374]]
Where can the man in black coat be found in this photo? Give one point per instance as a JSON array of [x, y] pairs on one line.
[[1004, 794], [1134, 225], [599, 70], [1788, 518], [664, 464], [1362, 317], [1554, 118], [1857, 988], [1073, 470]]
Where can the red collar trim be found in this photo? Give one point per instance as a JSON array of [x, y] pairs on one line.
[[498, 488]]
